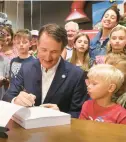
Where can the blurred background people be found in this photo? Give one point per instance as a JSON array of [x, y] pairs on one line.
[[4, 69], [33, 48], [119, 61]]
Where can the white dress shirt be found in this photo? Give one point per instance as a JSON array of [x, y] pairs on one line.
[[47, 78]]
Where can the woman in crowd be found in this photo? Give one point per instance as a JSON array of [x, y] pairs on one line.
[[98, 44], [80, 55], [8, 50]]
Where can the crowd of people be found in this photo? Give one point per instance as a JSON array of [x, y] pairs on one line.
[[62, 69]]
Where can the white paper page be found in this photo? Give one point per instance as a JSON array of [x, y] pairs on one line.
[[6, 112], [38, 112]]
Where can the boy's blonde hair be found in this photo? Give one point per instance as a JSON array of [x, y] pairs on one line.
[[108, 74], [25, 33], [117, 28]]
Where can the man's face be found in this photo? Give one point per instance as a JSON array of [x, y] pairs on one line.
[[71, 32], [49, 51]]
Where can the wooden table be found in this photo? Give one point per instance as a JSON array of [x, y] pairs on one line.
[[78, 131]]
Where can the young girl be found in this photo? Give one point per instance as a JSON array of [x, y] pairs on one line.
[[80, 55], [117, 43], [119, 61]]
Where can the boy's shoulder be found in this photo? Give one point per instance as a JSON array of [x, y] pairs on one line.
[[18, 59], [88, 103], [31, 62]]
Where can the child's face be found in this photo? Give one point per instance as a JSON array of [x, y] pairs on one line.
[[97, 88], [118, 41], [81, 44], [109, 19], [22, 44], [34, 41]]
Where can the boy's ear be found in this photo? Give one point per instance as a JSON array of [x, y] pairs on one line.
[[87, 82], [112, 88]]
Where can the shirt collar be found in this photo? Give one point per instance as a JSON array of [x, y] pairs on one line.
[[69, 48], [54, 68]]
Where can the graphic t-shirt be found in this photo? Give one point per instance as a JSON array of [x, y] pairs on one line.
[[113, 114], [16, 63]]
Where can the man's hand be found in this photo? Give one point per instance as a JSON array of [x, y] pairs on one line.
[[25, 99], [53, 106]]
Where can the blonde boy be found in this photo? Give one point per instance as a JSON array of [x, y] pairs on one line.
[[103, 81]]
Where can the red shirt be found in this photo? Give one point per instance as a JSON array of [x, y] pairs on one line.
[[92, 111]]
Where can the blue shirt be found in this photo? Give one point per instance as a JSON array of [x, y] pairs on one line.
[[96, 48]]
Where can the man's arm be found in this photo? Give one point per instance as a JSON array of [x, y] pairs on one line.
[[79, 96], [16, 92]]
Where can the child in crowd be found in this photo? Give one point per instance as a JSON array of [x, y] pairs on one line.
[[80, 55], [103, 81], [22, 41], [33, 48], [119, 61], [117, 40], [4, 69], [117, 43]]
